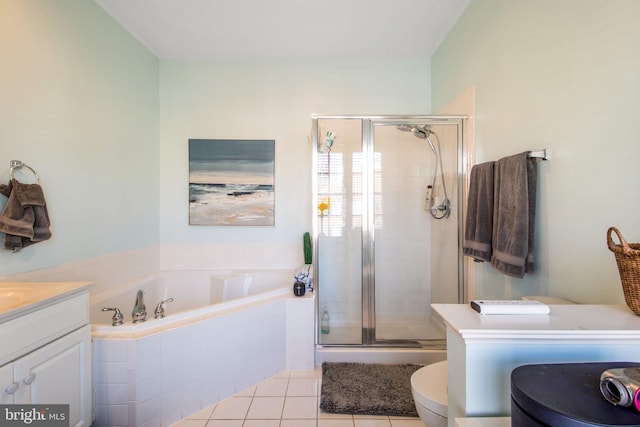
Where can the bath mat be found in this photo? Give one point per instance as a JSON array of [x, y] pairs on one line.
[[367, 388]]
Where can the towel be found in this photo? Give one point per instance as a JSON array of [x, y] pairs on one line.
[[25, 219], [514, 214], [479, 222]]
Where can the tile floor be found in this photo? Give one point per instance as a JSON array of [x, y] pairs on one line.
[[289, 399]]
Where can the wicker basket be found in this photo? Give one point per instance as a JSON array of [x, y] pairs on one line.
[[628, 259]]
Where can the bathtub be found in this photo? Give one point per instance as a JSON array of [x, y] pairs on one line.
[[196, 295], [224, 332]]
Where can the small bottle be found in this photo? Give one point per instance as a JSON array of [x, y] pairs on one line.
[[427, 198], [324, 321]]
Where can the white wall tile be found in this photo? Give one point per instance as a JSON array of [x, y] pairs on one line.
[[148, 410], [149, 346], [149, 389], [117, 415]]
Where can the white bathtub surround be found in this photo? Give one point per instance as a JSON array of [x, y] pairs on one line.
[[193, 293], [161, 378], [300, 338]]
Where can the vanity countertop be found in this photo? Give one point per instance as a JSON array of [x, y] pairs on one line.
[[19, 298], [568, 322]]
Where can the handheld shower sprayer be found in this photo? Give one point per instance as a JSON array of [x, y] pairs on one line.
[[421, 132], [443, 208]]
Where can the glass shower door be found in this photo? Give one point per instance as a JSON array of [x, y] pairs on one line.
[[339, 230], [415, 245], [383, 255]]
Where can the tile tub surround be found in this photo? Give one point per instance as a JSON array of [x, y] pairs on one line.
[[160, 379]]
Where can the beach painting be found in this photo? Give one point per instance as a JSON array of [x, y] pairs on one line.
[[231, 182]]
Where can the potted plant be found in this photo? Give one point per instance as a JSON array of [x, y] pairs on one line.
[[302, 280]]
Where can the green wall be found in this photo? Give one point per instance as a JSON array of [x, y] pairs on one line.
[[79, 104], [561, 75]]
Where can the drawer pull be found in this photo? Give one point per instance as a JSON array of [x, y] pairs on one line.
[[12, 388], [28, 379]]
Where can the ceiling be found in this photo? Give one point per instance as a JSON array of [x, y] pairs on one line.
[[269, 29]]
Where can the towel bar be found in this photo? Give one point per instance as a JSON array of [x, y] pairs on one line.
[[542, 154]]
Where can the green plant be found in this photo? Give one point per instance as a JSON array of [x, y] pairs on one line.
[[307, 247]]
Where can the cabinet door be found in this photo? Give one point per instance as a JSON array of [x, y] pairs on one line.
[[8, 386], [59, 372]]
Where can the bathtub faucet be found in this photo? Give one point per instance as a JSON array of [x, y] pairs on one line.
[[117, 318], [139, 313], [159, 312]]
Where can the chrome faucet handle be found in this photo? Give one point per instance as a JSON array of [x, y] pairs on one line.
[[117, 316], [159, 312]]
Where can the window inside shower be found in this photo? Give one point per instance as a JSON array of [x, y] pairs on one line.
[[384, 249]]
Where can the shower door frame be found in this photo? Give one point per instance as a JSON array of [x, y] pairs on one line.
[[368, 239]]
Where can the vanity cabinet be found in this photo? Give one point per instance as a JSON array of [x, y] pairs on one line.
[[482, 350], [9, 386], [50, 358]]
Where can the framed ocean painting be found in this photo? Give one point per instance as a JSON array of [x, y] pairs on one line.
[[231, 182]]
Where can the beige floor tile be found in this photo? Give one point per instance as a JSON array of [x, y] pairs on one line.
[[372, 422], [233, 408], [300, 407], [303, 387], [190, 423], [335, 423], [298, 423], [409, 422], [225, 423], [203, 414], [266, 408], [261, 423], [272, 387]]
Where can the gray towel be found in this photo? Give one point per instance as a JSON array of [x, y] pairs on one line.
[[478, 229], [514, 214], [25, 219]]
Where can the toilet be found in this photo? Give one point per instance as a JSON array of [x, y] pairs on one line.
[[429, 389]]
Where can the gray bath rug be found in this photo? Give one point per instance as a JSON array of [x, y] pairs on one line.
[[367, 388]]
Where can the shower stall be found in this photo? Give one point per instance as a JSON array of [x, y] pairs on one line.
[[387, 224]]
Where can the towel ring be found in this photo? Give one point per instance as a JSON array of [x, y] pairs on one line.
[[17, 164]]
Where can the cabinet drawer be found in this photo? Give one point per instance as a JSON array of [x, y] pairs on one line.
[[26, 333]]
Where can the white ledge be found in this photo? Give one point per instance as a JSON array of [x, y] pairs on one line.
[[565, 324]]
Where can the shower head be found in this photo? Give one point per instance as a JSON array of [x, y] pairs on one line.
[[405, 128], [421, 132]]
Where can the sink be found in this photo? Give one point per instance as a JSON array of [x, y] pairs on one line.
[[11, 297], [9, 300], [20, 296]]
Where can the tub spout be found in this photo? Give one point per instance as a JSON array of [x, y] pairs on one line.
[[139, 313], [159, 312], [117, 315]]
